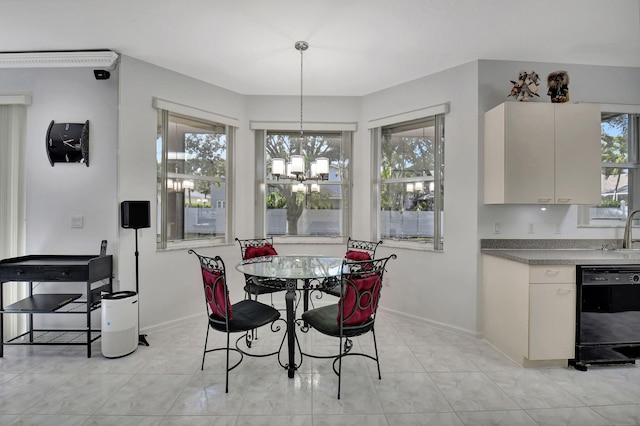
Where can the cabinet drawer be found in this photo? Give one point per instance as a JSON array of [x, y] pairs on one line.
[[21, 273], [65, 273], [552, 274]]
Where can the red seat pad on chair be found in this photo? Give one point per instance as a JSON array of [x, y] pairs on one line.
[[214, 290], [265, 250], [357, 255], [359, 306]]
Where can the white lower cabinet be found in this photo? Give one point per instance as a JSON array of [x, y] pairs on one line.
[[530, 310], [552, 321]]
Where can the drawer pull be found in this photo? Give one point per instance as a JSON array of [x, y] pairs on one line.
[[564, 291], [553, 272]]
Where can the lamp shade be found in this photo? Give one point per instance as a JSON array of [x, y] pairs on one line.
[[313, 172], [297, 164], [188, 184], [409, 187], [418, 186], [277, 167], [322, 166]]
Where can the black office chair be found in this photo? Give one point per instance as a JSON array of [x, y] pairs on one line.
[[355, 313], [356, 250], [256, 247], [242, 317]]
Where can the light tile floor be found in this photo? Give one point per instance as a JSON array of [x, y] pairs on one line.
[[429, 377]]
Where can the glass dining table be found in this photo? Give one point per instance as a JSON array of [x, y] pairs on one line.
[[300, 272]]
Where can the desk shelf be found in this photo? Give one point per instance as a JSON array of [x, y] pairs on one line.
[[41, 303]]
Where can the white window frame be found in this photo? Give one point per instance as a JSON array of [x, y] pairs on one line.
[[376, 126], [584, 216], [231, 125], [261, 128]]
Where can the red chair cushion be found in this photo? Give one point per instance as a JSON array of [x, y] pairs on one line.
[[357, 255], [265, 250], [367, 293], [214, 290]]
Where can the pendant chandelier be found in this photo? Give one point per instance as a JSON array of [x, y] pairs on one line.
[[295, 168]]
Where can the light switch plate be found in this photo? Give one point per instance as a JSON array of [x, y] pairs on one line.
[[77, 221]]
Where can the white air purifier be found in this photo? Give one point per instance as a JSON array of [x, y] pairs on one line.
[[119, 323]]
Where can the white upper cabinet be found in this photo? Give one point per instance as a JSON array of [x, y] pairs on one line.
[[542, 153]]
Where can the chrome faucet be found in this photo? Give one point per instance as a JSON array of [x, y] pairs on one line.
[[627, 242]]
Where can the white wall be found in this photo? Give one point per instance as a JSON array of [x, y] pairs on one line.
[[169, 279], [439, 287], [54, 194]]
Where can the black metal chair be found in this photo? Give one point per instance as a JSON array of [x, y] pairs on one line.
[[254, 286], [355, 313], [356, 250], [242, 317]]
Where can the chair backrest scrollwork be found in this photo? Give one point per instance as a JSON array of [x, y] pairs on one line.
[[253, 243], [215, 288], [361, 287], [356, 247]]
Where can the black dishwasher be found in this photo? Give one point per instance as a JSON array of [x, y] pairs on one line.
[[607, 315]]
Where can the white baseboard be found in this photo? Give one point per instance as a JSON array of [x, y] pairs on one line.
[[440, 325]]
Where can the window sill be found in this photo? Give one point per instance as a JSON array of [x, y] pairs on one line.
[[294, 239], [193, 244], [410, 245]]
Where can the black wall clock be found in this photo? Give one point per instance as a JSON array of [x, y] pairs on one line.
[[68, 143]]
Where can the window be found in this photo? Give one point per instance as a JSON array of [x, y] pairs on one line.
[[192, 156], [311, 207], [411, 171], [620, 177]]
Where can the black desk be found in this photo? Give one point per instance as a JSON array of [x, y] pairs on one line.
[[55, 268]]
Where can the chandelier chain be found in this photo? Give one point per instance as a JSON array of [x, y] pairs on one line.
[[301, 46], [301, 90]]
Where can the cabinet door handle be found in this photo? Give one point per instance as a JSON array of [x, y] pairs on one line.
[[564, 291], [553, 272], [544, 200], [564, 200]]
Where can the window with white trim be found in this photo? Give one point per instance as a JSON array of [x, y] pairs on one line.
[[411, 175], [193, 161], [306, 205], [620, 173]]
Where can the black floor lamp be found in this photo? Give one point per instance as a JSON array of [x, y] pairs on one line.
[[136, 215]]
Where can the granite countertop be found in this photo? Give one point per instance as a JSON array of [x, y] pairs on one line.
[[567, 256], [560, 251]]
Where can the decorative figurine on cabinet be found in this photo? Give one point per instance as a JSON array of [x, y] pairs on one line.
[[558, 82], [526, 87]]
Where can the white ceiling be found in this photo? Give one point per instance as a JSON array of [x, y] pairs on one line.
[[356, 46]]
